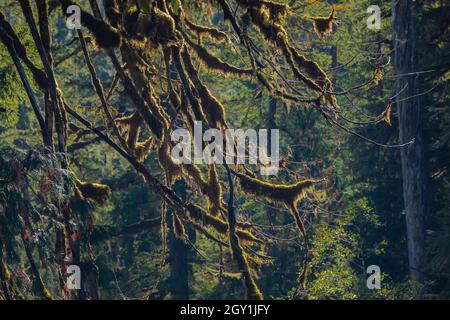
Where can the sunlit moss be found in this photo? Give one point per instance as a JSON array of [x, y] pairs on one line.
[[199, 214], [214, 191], [97, 192], [386, 115], [324, 25], [143, 149], [178, 227], [378, 76], [214, 33], [105, 36]]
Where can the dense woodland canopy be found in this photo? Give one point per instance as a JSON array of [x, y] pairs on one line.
[[87, 177]]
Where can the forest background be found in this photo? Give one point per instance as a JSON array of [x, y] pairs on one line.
[[131, 244]]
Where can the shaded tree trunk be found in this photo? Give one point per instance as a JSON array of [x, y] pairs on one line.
[[270, 123], [178, 257], [410, 125], [178, 261]]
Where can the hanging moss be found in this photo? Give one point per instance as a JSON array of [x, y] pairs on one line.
[[177, 103], [276, 33], [158, 111], [39, 75], [186, 114], [287, 195], [211, 188], [77, 193], [304, 69], [276, 11], [312, 69], [131, 125], [105, 36], [214, 191], [196, 213], [324, 25], [143, 149], [260, 16], [214, 33], [171, 169], [378, 76], [46, 294], [147, 106], [264, 81], [213, 110], [254, 263], [194, 174], [155, 27], [136, 24], [124, 123], [214, 63], [97, 192], [277, 193], [178, 228], [132, 23], [164, 27], [176, 8], [386, 115], [5, 270]]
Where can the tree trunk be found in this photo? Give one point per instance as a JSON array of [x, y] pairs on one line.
[[178, 261], [410, 125], [270, 122], [178, 256]]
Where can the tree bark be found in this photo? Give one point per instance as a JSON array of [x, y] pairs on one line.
[[272, 110], [178, 257], [178, 262], [410, 125]]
